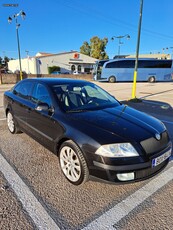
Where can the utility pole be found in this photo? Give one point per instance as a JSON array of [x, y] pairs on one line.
[[137, 52]]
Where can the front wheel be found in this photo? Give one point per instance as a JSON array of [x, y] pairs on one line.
[[73, 163], [12, 126]]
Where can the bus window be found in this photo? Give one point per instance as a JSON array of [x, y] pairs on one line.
[[155, 64], [121, 64]]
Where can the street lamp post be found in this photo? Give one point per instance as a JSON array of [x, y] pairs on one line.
[[119, 41], [15, 16]]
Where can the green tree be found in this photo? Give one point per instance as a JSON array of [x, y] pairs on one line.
[[1, 62], [6, 59], [4, 62], [96, 48], [85, 48]]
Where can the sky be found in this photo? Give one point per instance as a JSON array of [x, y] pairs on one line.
[[57, 26]]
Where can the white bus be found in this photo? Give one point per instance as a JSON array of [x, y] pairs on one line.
[[150, 70]]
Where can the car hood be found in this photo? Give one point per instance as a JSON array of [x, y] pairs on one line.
[[122, 121]]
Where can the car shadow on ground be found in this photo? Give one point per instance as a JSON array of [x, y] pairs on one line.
[[151, 107], [158, 93]]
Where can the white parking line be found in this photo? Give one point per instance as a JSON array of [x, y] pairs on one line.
[[122, 209], [2, 119], [30, 203]]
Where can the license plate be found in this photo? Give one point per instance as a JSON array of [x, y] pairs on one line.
[[158, 160]]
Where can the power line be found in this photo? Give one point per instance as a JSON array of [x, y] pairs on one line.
[[85, 8]]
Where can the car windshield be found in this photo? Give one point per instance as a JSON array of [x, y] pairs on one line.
[[80, 97]]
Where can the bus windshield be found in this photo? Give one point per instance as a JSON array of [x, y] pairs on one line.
[[98, 69]]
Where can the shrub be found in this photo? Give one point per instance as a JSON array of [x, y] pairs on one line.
[[52, 69]]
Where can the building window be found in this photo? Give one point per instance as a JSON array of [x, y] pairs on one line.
[[73, 68], [87, 70], [79, 68]]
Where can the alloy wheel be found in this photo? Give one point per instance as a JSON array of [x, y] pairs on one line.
[[70, 164], [10, 122]]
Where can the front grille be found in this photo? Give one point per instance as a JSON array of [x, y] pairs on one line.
[[145, 173], [152, 145]]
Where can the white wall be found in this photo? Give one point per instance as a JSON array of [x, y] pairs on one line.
[[27, 64], [59, 60]]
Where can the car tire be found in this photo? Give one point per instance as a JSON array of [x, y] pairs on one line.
[[73, 163], [12, 126], [112, 79], [151, 79]]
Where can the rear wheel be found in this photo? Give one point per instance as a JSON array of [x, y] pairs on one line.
[[73, 163], [13, 128], [112, 79], [151, 79]]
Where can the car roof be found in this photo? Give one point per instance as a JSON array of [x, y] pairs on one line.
[[52, 81]]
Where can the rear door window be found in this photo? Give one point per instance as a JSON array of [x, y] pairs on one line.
[[23, 90]]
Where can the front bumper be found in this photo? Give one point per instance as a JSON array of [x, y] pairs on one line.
[[141, 170]]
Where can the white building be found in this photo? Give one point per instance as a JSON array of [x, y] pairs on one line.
[[67, 61]]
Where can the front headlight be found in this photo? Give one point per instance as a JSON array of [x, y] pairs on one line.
[[117, 150]]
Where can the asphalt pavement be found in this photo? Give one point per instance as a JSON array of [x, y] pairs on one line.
[[31, 181]]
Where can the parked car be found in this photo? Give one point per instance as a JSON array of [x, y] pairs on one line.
[[56, 72], [18, 72], [9, 72], [76, 72], [6, 71], [93, 134]]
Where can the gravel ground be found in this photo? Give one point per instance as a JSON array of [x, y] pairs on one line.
[[12, 216], [155, 213]]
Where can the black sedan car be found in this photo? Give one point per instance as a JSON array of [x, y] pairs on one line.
[[92, 133]]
